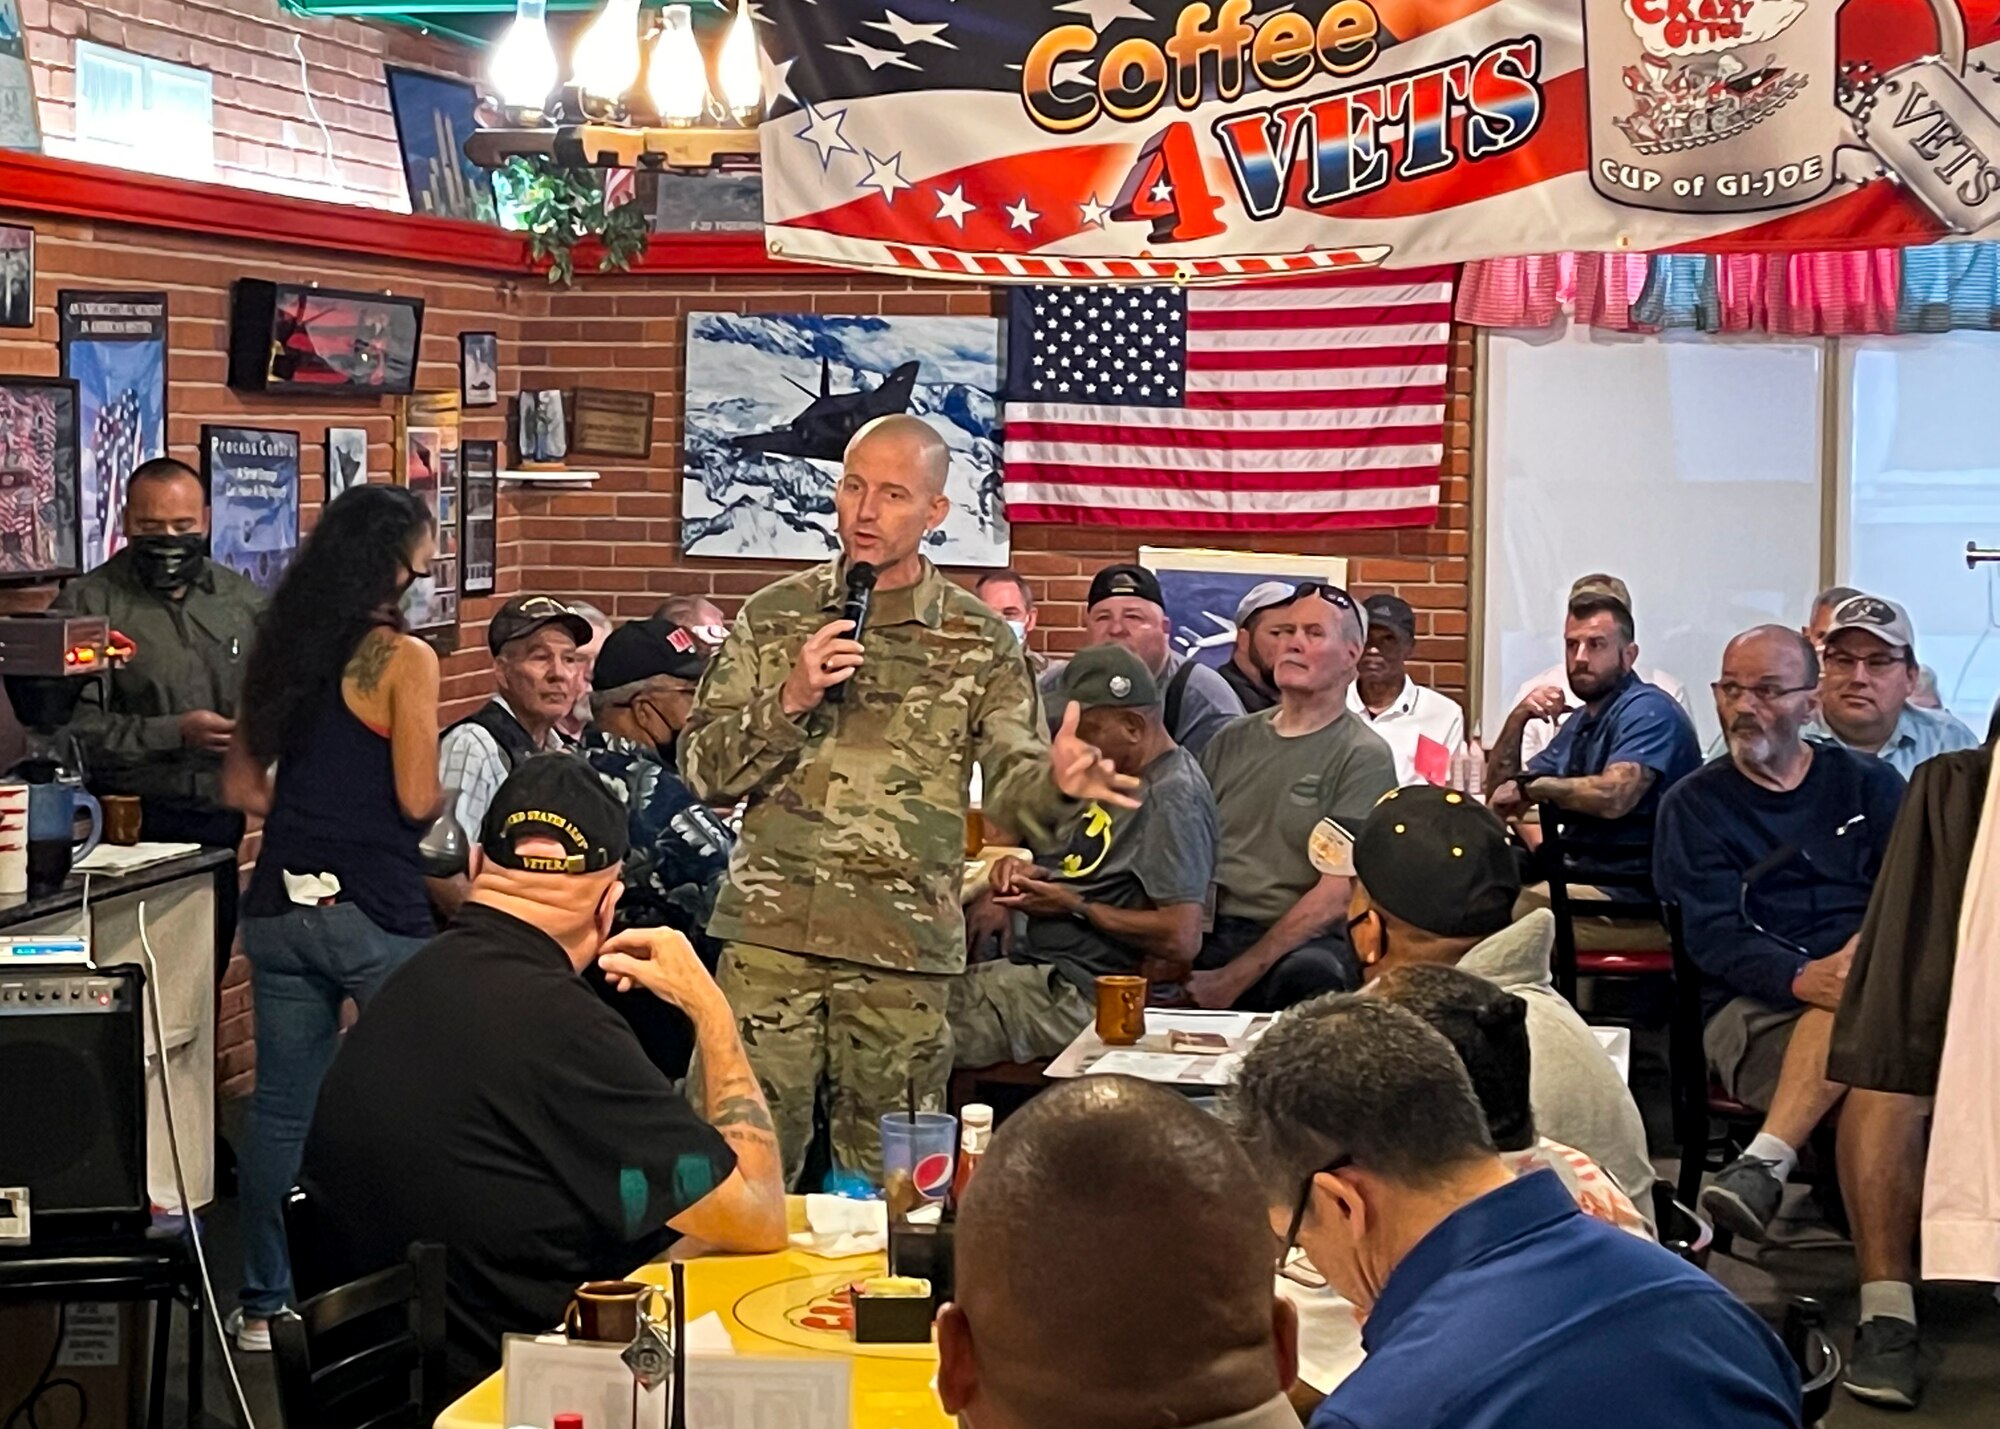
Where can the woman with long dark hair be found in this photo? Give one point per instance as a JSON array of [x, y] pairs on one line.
[[336, 749]]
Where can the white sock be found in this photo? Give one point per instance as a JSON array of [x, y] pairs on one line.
[[1888, 1300], [1766, 1147]]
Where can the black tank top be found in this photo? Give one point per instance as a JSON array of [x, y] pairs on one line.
[[334, 810]]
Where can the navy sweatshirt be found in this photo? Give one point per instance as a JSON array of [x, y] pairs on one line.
[[1715, 826]]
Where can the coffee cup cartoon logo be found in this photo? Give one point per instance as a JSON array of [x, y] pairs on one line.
[[1723, 106]]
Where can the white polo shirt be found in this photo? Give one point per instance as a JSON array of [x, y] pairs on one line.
[[1423, 729]]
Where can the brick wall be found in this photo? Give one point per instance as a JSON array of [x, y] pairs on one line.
[[271, 68], [196, 274], [631, 333]]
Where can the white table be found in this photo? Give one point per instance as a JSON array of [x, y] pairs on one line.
[[1150, 1057]]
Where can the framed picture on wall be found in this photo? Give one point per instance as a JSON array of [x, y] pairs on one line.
[[346, 459], [253, 497], [479, 479], [479, 369], [434, 118], [428, 453], [20, 125], [17, 276], [323, 342], [40, 480], [115, 347], [608, 422]]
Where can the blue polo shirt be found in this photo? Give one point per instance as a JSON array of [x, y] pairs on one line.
[[1639, 724], [1521, 1312]]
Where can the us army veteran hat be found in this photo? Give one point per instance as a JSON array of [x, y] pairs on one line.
[[557, 797], [1110, 675]]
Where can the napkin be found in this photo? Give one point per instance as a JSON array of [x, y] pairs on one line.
[[709, 1336], [842, 1227]]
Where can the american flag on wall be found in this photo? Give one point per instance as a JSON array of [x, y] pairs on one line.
[[1311, 405]]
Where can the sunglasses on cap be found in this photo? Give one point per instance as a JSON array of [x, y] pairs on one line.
[[1332, 594]]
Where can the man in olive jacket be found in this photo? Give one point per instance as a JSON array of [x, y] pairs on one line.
[[157, 727]]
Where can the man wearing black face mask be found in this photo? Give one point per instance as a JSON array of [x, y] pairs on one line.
[[642, 688], [157, 728]]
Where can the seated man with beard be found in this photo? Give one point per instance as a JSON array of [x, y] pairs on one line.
[[1771, 855]]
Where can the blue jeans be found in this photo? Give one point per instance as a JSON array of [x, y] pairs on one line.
[[303, 963]]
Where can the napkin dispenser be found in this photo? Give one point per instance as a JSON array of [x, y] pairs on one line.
[[924, 1252]]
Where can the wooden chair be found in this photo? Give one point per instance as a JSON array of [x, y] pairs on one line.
[[1630, 895], [369, 1354], [1022, 1079], [1709, 1124]]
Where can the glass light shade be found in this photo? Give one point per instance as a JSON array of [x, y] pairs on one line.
[[678, 80], [606, 63], [524, 62], [736, 67]]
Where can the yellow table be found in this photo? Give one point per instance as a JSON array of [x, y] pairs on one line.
[[780, 1305]]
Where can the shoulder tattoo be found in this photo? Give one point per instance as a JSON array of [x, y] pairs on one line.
[[370, 659]]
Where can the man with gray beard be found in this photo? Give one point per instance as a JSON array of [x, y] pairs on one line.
[[1771, 853]]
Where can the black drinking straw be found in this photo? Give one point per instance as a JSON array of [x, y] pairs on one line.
[[910, 1098]]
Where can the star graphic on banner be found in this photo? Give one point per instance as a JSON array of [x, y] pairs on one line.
[[1162, 191], [873, 57], [1070, 72], [1094, 213], [1103, 12], [757, 15], [822, 131], [910, 32], [777, 81], [952, 204], [1021, 216], [886, 176]]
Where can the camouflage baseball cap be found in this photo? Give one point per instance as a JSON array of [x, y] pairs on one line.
[[1110, 675], [1600, 587]]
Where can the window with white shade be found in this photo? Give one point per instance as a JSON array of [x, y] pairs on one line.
[[1920, 468], [143, 114], [1689, 466]]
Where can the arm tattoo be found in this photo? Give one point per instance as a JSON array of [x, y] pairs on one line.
[[747, 1111], [370, 659]]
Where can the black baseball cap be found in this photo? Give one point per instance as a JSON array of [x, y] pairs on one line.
[[559, 797], [1439, 861], [1110, 675], [1134, 581], [642, 649], [525, 614], [1391, 612]]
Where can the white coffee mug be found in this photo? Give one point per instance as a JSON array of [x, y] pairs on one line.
[[13, 837], [1732, 114]]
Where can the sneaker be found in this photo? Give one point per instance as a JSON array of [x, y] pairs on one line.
[[1744, 1197], [252, 1336], [1883, 1368]]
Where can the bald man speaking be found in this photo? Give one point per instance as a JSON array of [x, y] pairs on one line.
[[840, 916]]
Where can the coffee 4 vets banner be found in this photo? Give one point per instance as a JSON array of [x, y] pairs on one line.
[[1086, 140]]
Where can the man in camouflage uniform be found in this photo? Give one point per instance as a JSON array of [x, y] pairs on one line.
[[841, 913], [642, 688]]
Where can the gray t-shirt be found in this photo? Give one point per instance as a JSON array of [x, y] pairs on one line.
[[1269, 793], [1207, 701], [1162, 852]]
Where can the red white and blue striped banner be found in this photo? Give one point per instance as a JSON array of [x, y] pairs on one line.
[[1216, 141]]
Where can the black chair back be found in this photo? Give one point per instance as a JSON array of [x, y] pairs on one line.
[[1627, 895], [302, 1245], [1687, 1061], [367, 1355]]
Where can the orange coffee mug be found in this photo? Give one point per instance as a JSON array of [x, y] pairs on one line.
[[609, 1310], [1121, 1010]]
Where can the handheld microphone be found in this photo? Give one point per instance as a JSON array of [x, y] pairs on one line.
[[860, 593]]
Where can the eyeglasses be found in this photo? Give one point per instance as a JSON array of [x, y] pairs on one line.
[[1877, 664], [1765, 693], [1339, 1163]]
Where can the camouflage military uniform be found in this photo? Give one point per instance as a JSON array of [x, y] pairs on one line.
[[841, 911]]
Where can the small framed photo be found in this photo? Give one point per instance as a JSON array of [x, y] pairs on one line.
[[542, 431], [17, 276], [610, 422], [346, 459], [40, 479], [253, 499], [479, 369]]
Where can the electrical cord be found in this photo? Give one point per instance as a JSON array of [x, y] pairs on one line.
[[180, 1182]]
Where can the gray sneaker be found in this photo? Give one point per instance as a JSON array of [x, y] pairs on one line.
[[1744, 1197], [1883, 1368]]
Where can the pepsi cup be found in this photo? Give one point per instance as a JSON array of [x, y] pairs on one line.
[[917, 1159]]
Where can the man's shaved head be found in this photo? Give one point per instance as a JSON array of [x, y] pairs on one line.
[[914, 443], [1114, 1269], [891, 495]]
